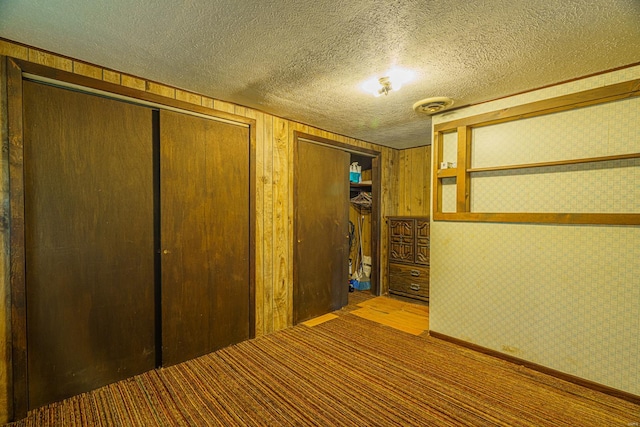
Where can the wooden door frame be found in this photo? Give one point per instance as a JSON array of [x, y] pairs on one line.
[[376, 186], [16, 70]]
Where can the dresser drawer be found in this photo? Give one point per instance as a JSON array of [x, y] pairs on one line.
[[409, 280]]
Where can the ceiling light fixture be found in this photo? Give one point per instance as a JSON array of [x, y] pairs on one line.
[[392, 81], [385, 86]]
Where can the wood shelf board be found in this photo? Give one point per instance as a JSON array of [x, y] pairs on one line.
[[448, 173], [541, 218], [556, 163]]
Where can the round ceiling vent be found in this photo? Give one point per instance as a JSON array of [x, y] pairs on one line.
[[432, 105]]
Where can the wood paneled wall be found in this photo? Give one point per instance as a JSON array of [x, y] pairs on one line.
[[274, 195], [414, 175]]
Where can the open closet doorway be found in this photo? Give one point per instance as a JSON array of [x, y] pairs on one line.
[[361, 265], [322, 201]]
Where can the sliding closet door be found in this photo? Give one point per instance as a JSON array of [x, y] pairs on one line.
[[88, 241], [204, 180], [322, 230]]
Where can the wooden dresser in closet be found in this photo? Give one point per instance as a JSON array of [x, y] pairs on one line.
[[409, 256]]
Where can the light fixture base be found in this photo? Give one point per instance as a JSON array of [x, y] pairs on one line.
[[385, 86]]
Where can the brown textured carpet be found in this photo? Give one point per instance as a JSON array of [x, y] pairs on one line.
[[345, 372]]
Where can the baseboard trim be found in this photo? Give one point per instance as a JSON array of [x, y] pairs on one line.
[[540, 368]]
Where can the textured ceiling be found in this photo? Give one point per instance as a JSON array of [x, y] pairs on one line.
[[304, 60]]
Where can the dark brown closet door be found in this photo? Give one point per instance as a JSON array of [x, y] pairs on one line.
[[88, 241], [321, 269], [205, 235]]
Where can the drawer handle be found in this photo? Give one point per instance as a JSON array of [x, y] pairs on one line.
[[415, 273], [414, 287]]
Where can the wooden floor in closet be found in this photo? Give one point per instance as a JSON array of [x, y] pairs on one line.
[[398, 313]]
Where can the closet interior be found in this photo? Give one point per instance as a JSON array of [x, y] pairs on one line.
[[361, 262]]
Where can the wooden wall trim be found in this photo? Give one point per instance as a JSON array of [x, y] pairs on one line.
[[282, 181], [5, 282], [551, 164], [462, 172], [571, 101], [376, 219], [17, 243], [463, 184], [436, 194], [252, 227], [89, 82], [540, 368], [541, 218], [350, 148]]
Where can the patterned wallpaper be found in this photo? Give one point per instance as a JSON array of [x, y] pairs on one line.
[[449, 154], [606, 187], [562, 296], [450, 147], [599, 130]]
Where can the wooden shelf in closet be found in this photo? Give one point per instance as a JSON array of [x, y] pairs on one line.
[[360, 186]]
